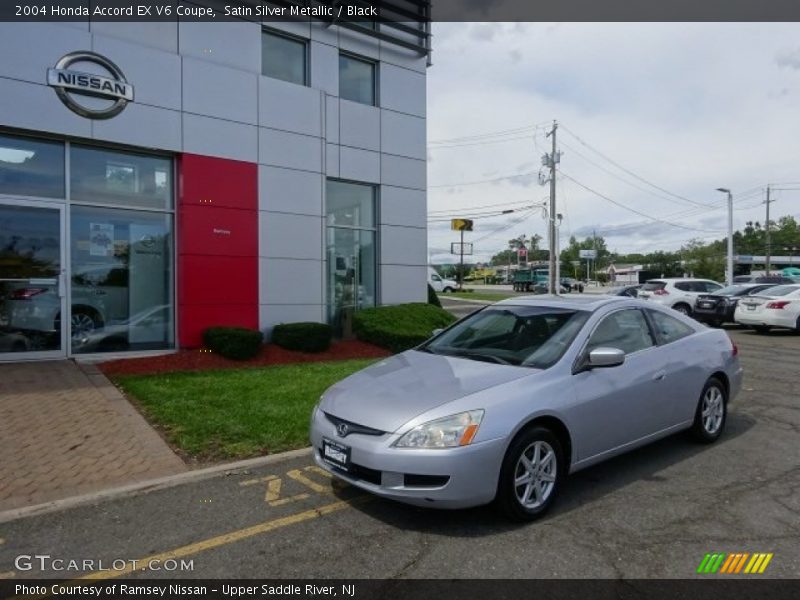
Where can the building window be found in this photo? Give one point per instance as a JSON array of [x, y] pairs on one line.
[[122, 280], [284, 57], [103, 176], [357, 79], [31, 167], [351, 251]]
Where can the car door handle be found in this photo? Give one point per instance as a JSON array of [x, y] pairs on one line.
[[660, 376]]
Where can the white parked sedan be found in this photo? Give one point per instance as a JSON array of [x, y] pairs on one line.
[[777, 306]]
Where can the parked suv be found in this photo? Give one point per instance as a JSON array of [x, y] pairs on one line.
[[680, 293]]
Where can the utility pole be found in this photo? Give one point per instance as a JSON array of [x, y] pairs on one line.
[[552, 285], [769, 240], [729, 279]]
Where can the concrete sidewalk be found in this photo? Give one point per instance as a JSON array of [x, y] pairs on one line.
[[66, 430]]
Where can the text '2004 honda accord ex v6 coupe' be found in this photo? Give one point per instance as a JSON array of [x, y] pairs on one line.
[[503, 404]]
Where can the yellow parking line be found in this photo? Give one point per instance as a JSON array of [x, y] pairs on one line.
[[226, 538], [298, 476]]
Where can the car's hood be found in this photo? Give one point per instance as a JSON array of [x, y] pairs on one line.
[[390, 393]]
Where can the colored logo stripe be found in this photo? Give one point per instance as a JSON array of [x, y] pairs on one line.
[[734, 563]]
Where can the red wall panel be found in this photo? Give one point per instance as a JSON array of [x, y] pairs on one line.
[[214, 231], [217, 245], [219, 182]]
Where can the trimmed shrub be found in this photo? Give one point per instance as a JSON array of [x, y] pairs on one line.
[[399, 327], [432, 297], [304, 337], [238, 343]]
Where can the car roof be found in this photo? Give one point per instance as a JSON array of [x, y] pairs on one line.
[[585, 302], [669, 279]]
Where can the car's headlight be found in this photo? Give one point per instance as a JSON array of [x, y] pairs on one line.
[[449, 432]]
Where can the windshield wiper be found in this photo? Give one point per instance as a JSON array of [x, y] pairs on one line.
[[484, 357]]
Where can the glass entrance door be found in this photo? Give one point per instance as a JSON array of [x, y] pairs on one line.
[[32, 294]]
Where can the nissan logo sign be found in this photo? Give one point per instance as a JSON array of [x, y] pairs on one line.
[[71, 84]]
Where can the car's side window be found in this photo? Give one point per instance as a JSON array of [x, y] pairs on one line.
[[436, 278], [711, 287], [626, 330], [669, 329], [684, 286]]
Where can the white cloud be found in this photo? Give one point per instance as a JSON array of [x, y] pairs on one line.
[[690, 107]]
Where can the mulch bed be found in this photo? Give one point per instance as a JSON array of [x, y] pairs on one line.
[[202, 360]]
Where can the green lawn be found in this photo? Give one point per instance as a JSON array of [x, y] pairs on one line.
[[482, 295], [236, 413]]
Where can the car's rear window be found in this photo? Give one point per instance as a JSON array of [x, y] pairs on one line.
[[652, 286]]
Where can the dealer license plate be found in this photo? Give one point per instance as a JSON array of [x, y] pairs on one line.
[[706, 304], [336, 454], [751, 307]]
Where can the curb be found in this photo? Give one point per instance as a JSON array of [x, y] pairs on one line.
[[467, 300], [144, 487]]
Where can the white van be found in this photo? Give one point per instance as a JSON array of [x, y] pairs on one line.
[[440, 285]]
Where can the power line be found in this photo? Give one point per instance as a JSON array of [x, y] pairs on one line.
[[489, 134], [482, 181], [631, 173], [483, 142], [633, 210], [471, 208]]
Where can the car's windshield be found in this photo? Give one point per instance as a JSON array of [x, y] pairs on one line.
[[530, 336]]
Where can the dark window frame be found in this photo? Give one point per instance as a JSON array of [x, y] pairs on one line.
[[292, 38], [375, 64]]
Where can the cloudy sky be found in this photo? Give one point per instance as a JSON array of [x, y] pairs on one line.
[[684, 107]]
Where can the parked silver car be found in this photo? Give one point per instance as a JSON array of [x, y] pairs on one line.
[[509, 400]]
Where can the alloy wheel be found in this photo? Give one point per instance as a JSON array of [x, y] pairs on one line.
[[535, 475], [82, 324], [713, 410]]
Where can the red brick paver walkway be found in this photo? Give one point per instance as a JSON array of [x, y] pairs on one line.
[[66, 430]]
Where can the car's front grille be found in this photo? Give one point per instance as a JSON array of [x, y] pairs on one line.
[[345, 428]]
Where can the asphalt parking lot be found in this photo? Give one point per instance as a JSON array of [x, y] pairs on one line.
[[653, 513]]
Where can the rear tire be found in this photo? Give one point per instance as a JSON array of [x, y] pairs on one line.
[[533, 469], [712, 412]]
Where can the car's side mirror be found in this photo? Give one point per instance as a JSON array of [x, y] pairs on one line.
[[436, 332], [605, 357]]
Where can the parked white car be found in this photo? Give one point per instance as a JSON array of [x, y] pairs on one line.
[[777, 306], [680, 293], [439, 284]]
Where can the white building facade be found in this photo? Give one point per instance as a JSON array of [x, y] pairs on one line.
[[262, 173]]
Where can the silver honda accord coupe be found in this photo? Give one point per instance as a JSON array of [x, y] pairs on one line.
[[506, 402]]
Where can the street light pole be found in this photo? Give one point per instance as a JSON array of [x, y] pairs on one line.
[[729, 279]]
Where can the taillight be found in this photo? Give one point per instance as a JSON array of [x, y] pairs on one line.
[[778, 304], [735, 348], [661, 293], [27, 293]]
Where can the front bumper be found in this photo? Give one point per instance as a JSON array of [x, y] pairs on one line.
[[467, 475]]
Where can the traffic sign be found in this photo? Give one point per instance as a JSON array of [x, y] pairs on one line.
[[461, 224]]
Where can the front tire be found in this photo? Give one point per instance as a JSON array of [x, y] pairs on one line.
[[683, 309], [711, 413], [531, 475], [447, 290]]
